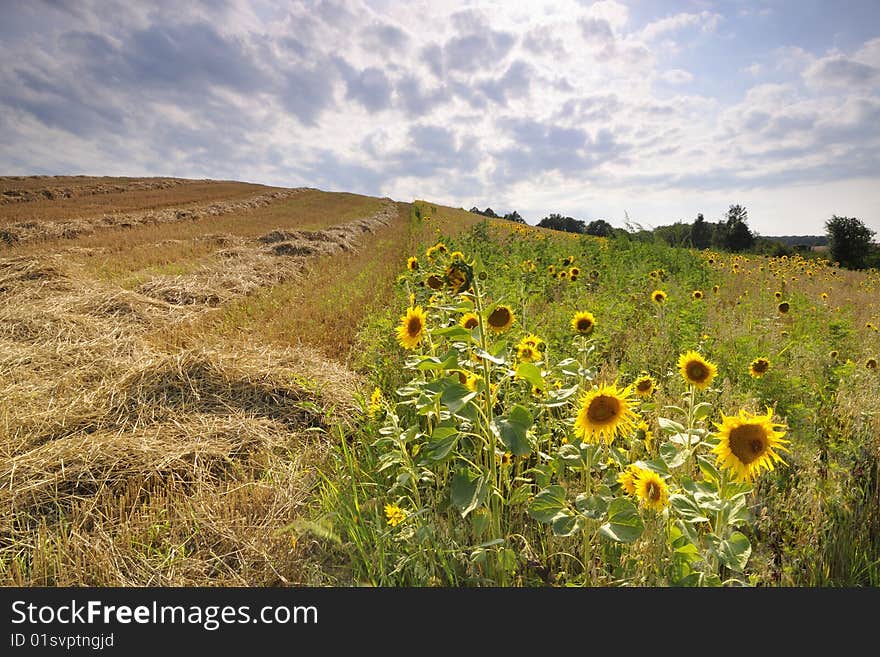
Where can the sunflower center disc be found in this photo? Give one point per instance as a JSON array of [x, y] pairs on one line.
[[653, 492], [696, 372], [603, 409], [748, 442], [584, 325], [414, 326]]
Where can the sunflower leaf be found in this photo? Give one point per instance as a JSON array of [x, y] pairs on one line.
[[624, 522], [468, 491], [701, 410], [566, 525], [513, 430], [455, 396], [531, 373], [670, 426], [672, 455], [453, 333], [549, 504], [592, 506], [735, 551], [687, 509], [485, 354], [443, 441]]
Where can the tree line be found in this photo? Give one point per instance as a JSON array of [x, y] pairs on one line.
[[848, 239]]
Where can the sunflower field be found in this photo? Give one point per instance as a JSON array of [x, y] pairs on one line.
[[565, 410]]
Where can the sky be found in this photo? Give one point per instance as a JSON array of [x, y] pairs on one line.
[[645, 112]]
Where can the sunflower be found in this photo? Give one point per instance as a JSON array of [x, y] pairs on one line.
[[583, 322], [778, 295], [434, 282], [697, 294], [715, 288], [526, 353], [394, 514], [648, 435], [551, 270], [784, 307], [500, 319], [412, 328], [456, 277], [759, 367], [469, 321], [652, 490], [833, 354], [412, 263], [605, 411], [659, 296], [645, 386], [696, 370], [562, 275], [871, 363], [533, 341], [627, 479], [375, 404], [747, 442], [574, 272]]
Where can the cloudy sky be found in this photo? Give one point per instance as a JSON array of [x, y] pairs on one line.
[[653, 110]]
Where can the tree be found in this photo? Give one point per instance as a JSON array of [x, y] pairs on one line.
[[515, 217], [849, 241], [558, 222], [701, 233], [600, 228], [738, 237], [489, 212]]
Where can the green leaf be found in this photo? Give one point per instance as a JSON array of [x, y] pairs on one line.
[[655, 465], [513, 430], [701, 410], [519, 495], [735, 552], [707, 467], [687, 509], [670, 426], [569, 366], [566, 525], [672, 455], [531, 373], [485, 354], [456, 332], [468, 491], [548, 504], [455, 396], [624, 522], [592, 506], [443, 441]]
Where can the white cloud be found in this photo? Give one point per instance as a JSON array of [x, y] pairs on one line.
[[676, 76]]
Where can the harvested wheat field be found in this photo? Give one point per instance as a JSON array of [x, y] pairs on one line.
[[166, 411]]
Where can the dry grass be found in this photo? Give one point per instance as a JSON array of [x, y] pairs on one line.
[[167, 388]]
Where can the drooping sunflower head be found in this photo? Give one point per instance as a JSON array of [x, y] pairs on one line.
[[833, 354], [652, 490], [412, 263], [747, 443], [871, 363], [627, 479], [784, 307], [500, 319], [645, 386], [434, 282], [412, 328], [469, 321], [715, 288], [647, 434], [697, 294], [658, 296], [605, 412], [459, 276], [759, 367], [583, 322], [696, 370]]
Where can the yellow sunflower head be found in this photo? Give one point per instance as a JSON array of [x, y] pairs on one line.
[[652, 490], [534, 341], [778, 295], [412, 328], [583, 322], [500, 319], [469, 321], [375, 405], [747, 442], [645, 386], [605, 412], [551, 270], [759, 367], [562, 275], [871, 363], [833, 354], [647, 434], [394, 514], [784, 307], [658, 296], [697, 294], [696, 370], [526, 353], [715, 288], [627, 479], [412, 263], [574, 272], [434, 282]]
